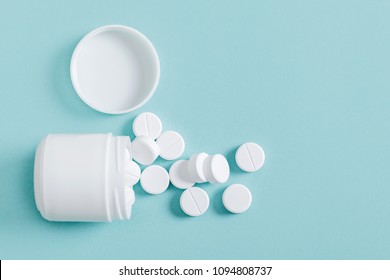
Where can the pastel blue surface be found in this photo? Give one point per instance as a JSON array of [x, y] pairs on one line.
[[308, 80]]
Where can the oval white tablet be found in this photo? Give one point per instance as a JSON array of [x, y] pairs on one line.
[[115, 69], [216, 169], [147, 124], [194, 201], [237, 198], [171, 145], [250, 157], [132, 173], [154, 179], [145, 150], [178, 174], [195, 167]]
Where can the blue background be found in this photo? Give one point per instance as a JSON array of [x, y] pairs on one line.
[[308, 80]]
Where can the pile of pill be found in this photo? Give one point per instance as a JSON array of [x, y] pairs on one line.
[[151, 142]]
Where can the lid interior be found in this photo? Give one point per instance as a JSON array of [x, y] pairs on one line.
[[115, 69]]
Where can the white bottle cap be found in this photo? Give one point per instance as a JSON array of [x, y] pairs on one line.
[[81, 177], [115, 69]]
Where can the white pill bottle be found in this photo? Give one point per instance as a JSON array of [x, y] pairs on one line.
[[81, 177]]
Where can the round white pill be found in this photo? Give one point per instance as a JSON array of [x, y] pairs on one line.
[[250, 157], [178, 174], [154, 179], [145, 150], [194, 201], [237, 198], [171, 145], [195, 167], [147, 124], [216, 169], [132, 173]]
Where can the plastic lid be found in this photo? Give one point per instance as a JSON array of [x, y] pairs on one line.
[[115, 69]]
